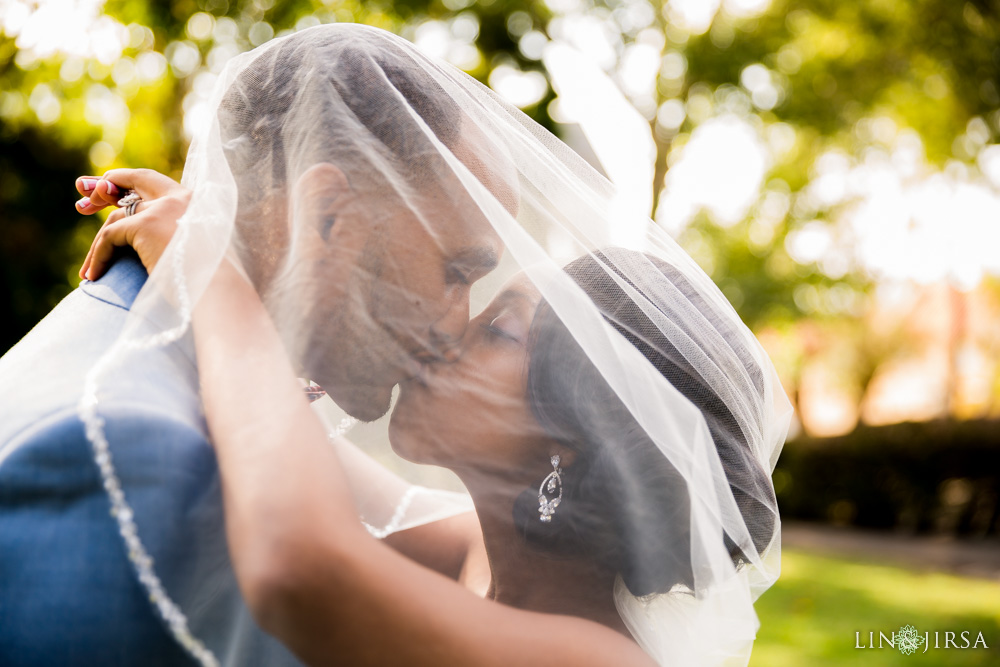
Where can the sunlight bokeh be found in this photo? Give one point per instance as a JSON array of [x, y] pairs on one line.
[[813, 227]]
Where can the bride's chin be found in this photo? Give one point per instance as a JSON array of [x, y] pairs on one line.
[[418, 427], [408, 446], [409, 438], [403, 437]]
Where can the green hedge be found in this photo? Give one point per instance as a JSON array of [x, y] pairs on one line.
[[940, 477]]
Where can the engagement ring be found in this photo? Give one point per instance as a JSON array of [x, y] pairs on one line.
[[129, 202]]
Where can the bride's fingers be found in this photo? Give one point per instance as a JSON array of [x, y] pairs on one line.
[[147, 183], [105, 193], [115, 235], [85, 267], [98, 192], [88, 205], [85, 185], [156, 215], [90, 251], [85, 207], [114, 217]]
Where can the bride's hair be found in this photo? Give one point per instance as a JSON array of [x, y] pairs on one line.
[[624, 505]]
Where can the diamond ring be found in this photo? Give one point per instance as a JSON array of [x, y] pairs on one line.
[[129, 202]]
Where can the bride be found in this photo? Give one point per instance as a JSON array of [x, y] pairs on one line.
[[613, 421]]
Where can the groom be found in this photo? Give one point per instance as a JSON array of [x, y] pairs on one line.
[[68, 593]]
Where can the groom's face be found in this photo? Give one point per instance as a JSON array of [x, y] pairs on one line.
[[390, 282]]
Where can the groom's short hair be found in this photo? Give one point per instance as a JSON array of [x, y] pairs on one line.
[[300, 84], [364, 101]]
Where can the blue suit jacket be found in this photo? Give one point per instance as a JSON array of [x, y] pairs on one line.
[[68, 594]]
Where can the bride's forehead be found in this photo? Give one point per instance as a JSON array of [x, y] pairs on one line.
[[519, 286]]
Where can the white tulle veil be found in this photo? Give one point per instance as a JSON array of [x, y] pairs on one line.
[[636, 360]]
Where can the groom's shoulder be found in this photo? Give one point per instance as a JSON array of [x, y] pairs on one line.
[[43, 375], [84, 323], [121, 284]]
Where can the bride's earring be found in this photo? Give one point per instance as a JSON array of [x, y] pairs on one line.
[[552, 483]]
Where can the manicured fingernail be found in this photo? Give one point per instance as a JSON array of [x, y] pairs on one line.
[[83, 203], [90, 273], [88, 184], [112, 188]]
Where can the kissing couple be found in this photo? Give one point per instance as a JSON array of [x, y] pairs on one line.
[[580, 473]]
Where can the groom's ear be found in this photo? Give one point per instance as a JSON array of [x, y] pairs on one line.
[[319, 195]]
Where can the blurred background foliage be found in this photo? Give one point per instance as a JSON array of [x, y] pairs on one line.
[[832, 165]]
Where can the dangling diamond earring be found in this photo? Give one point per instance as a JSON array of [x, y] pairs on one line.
[[549, 485]]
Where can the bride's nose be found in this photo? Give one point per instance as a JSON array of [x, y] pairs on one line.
[[447, 344], [447, 332], [450, 352]]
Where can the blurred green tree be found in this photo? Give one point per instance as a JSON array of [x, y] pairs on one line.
[[65, 114], [845, 75], [810, 77]]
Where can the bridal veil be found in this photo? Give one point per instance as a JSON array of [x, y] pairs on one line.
[[646, 361]]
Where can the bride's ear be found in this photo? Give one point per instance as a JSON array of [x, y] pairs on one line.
[[320, 194], [566, 456]]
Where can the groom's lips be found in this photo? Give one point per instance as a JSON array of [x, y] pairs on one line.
[[418, 369], [418, 356]]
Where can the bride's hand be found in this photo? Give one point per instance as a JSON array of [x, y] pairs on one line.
[[148, 230]]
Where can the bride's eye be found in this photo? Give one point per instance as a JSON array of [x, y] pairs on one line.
[[507, 325]]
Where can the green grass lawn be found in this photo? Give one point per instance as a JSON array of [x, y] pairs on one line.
[[810, 616]]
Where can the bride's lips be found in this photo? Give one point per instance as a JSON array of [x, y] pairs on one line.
[[417, 369], [418, 356]]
